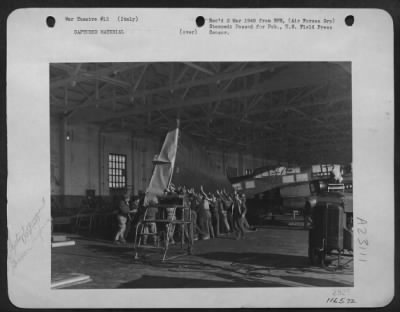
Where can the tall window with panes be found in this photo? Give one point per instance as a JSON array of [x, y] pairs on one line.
[[117, 171]]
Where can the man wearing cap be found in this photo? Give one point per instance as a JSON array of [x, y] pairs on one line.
[[122, 218], [238, 214], [132, 216]]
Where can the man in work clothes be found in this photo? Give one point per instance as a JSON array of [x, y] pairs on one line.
[[238, 215], [122, 218]]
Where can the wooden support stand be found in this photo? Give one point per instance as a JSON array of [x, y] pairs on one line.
[[160, 230]]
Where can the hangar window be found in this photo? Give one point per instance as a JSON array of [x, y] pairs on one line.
[[231, 172], [116, 171], [248, 171]]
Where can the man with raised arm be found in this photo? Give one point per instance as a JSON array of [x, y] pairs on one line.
[[223, 211], [238, 215], [204, 216], [229, 207]]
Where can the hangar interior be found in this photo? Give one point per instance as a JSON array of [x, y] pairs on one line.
[[245, 115]]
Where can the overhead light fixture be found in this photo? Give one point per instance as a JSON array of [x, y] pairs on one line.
[[68, 136]]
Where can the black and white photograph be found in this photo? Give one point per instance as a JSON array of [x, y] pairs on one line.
[[194, 174], [200, 158]]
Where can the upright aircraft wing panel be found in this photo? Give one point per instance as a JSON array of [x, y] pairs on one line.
[[184, 163], [163, 166], [193, 167]]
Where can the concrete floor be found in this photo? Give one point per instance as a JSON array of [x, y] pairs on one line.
[[268, 257]]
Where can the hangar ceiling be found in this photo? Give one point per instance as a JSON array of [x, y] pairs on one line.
[[296, 112]]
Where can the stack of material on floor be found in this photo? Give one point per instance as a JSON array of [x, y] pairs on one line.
[[62, 280], [61, 241]]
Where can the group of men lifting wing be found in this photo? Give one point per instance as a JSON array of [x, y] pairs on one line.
[[212, 214]]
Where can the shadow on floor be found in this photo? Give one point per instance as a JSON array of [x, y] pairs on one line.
[[264, 259], [316, 282], [125, 252], [174, 282], [277, 262], [117, 251]]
